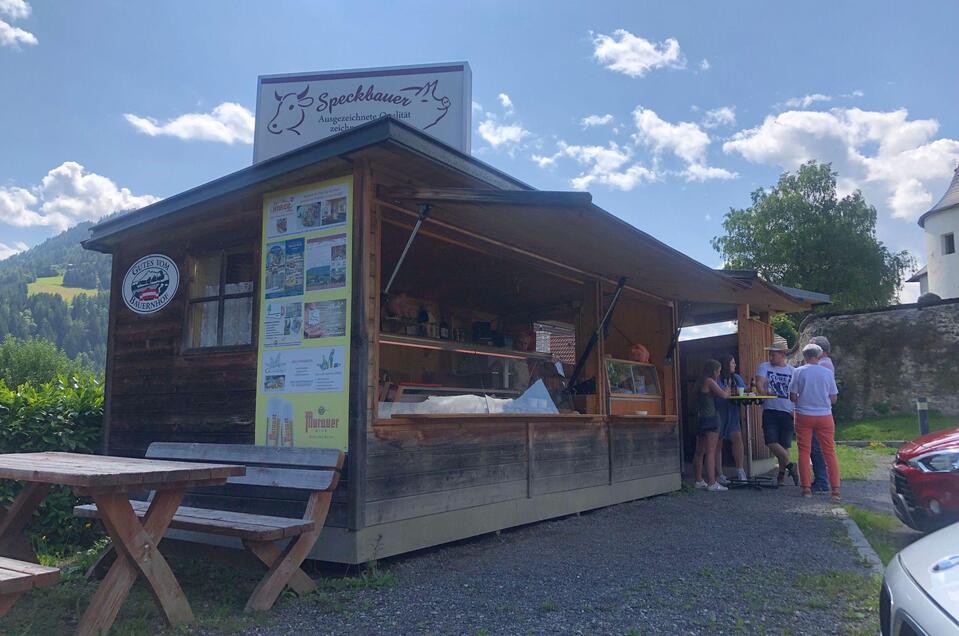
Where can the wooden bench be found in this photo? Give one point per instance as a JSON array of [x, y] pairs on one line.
[[17, 577], [313, 470]]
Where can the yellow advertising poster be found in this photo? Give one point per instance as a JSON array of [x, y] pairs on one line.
[[302, 396]]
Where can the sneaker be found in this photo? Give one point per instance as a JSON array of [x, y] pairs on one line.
[[701, 484], [820, 491], [806, 492], [793, 472], [722, 480], [741, 474], [716, 487], [835, 498]]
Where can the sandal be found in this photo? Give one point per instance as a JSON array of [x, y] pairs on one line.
[[793, 472], [781, 478]]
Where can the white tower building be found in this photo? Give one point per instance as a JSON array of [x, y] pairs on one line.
[[941, 225]]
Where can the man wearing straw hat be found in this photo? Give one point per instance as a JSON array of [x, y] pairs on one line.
[[773, 378]]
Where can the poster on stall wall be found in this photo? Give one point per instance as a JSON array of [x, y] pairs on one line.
[[302, 396]]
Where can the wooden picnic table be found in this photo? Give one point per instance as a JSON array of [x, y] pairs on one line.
[[108, 480]]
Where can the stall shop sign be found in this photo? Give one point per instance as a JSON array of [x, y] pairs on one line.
[[150, 284]]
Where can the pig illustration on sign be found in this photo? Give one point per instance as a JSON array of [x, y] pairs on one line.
[[427, 94], [290, 111]]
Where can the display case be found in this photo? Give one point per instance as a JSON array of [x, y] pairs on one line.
[[634, 388]]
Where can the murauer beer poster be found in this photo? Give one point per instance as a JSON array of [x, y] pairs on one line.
[[302, 396]]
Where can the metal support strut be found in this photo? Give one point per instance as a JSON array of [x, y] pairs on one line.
[[424, 213], [601, 330]]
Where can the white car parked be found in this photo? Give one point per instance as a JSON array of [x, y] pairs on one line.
[[920, 591]]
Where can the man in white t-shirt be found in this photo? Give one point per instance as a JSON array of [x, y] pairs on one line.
[[773, 378], [813, 389]]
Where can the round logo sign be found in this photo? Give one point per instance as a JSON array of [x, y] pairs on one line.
[[150, 284]]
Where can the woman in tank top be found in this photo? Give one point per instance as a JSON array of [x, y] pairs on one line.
[[706, 389]]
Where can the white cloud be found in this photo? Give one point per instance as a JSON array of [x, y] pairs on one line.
[[686, 140], [708, 217], [596, 120], [6, 251], [609, 165], [895, 161], [632, 55], [506, 102], [806, 100], [227, 123], [15, 9], [13, 36], [497, 134], [67, 195], [10, 35], [723, 116], [704, 65]]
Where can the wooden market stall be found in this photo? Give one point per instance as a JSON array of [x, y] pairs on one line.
[[450, 264]]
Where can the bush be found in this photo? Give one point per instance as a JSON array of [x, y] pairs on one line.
[[63, 415], [37, 362], [784, 326]]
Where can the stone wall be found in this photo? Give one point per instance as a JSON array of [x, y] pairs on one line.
[[886, 358]]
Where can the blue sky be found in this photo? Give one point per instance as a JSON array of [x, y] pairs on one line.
[[706, 101]]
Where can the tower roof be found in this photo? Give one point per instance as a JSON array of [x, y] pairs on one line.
[[949, 200]]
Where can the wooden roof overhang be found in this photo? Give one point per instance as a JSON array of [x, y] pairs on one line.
[[762, 297], [469, 199]]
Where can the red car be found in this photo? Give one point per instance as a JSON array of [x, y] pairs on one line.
[[925, 481]]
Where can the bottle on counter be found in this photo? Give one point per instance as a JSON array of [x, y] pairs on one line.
[[423, 318], [444, 330], [752, 387]]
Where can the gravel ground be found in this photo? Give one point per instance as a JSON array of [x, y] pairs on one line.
[[686, 563]]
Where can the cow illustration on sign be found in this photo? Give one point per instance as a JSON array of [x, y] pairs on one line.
[[290, 111], [427, 92]]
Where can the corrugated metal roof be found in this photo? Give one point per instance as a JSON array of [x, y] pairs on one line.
[[949, 200]]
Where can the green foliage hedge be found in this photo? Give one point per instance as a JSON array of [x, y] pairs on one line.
[[63, 415]]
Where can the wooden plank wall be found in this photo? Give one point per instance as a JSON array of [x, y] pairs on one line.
[[651, 325], [159, 391], [423, 466], [754, 336]]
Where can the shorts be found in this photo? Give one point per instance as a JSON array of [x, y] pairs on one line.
[[778, 427], [730, 424], [708, 424]]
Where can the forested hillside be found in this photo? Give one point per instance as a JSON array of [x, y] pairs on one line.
[[79, 326]]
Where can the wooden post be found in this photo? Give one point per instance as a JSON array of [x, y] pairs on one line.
[[677, 388], [359, 350], [116, 283]]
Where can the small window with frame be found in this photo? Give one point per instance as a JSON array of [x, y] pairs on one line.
[[949, 243], [220, 311]]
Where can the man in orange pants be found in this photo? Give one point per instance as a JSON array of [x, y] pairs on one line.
[[814, 391]]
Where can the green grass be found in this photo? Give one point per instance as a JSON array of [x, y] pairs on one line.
[[858, 594], [880, 530], [217, 593], [891, 427], [54, 285], [859, 463]]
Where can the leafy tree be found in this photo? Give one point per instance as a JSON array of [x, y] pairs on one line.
[[783, 326], [801, 234], [37, 362]]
